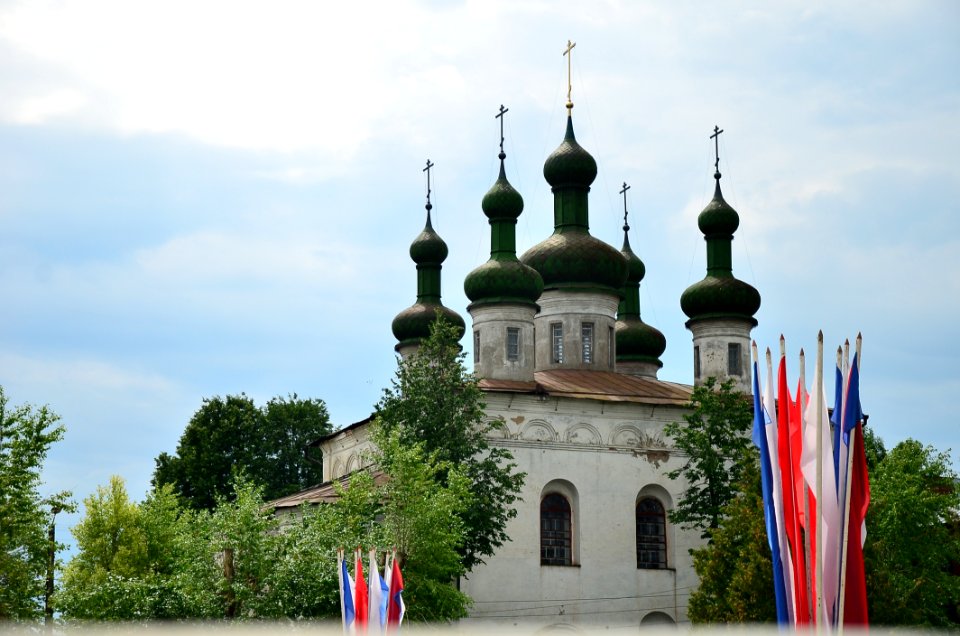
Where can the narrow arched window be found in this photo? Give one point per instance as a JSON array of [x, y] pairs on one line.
[[651, 534], [555, 531]]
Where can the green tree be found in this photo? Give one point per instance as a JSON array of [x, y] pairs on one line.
[[230, 435], [26, 435], [127, 557], [433, 401], [913, 538], [715, 438], [735, 569]]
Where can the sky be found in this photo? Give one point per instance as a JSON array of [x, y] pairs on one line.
[[208, 198]]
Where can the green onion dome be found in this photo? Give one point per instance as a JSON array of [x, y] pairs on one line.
[[636, 340], [503, 278], [571, 258], [719, 294], [570, 164], [412, 325]]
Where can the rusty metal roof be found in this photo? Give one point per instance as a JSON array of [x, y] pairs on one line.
[[324, 493], [596, 385]]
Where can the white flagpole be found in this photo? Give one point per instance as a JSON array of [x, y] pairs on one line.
[[818, 378], [846, 511]]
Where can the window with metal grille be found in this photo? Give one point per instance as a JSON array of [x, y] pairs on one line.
[[734, 366], [513, 343], [556, 332], [476, 347], [651, 535], [555, 531], [586, 341]]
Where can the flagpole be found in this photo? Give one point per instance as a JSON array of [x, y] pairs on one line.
[[818, 378], [846, 511]]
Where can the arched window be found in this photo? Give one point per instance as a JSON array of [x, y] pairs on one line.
[[651, 534], [556, 545]]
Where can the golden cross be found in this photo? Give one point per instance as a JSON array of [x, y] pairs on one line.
[[567, 52]]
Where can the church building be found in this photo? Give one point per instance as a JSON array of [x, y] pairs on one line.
[[566, 361]]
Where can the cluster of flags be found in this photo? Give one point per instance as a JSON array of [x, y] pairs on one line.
[[815, 490], [373, 606]]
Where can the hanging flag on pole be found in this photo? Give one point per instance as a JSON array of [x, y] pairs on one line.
[[379, 593], [791, 517], [854, 597], [361, 601], [395, 607], [766, 479], [347, 608]]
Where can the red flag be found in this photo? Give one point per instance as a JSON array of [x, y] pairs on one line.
[[360, 597], [855, 592], [395, 608], [788, 483]]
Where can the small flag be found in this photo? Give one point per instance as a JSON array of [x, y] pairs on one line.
[[347, 609], [361, 602], [379, 596], [395, 608]]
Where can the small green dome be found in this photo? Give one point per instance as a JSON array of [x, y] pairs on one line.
[[428, 247], [718, 217], [503, 281], [574, 259], [720, 297], [502, 201], [570, 164], [636, 270], [639, 342], [412, 325]]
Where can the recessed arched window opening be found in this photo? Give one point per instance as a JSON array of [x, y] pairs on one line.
[[556, 530], [651, 534]]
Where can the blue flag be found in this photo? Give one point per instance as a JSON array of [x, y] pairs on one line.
[[769, 513]]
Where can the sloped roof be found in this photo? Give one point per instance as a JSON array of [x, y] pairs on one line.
[[324, 493], [596, 385]]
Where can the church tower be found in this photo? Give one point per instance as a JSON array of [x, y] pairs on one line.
[[720, 306], [639, 346], [582, 275], [503, 291], [428, 251]]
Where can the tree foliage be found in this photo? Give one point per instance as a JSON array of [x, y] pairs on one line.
[[913, 538], [433, 401], [230, 435], [26, 435], [161, 560], [715, 438], [735, 569]]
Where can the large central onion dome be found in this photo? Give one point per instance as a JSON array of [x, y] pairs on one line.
[[571, 258], [719, 294]]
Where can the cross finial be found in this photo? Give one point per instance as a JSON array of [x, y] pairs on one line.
[[716, 151], [626, 226], [569, 55], [427, 170], [499, 116]]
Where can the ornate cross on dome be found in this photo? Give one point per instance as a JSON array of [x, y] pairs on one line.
[[626, 226], [716, 150], [427, 170], [500, 117], [569, 55]]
